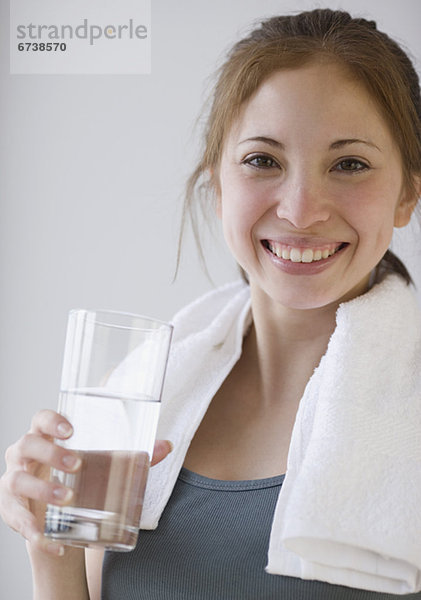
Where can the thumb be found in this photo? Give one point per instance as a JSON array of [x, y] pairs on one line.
[[161, 450]]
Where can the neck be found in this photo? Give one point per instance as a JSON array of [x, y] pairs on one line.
[[285, 346]]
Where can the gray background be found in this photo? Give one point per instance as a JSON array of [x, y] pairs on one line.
[[92, 175]]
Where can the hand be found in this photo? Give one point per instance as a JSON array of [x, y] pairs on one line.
[[25, 488]]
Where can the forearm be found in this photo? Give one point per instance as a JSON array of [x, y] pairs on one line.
[[59, 577]]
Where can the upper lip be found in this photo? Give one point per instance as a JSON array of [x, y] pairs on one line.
[[303, 242]]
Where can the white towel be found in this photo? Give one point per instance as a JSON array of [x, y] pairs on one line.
[[349, 511], [350, 508], [206, 343]]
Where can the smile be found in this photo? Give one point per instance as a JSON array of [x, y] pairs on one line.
[[303, 255]]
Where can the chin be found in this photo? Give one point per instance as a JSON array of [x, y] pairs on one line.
[[304, 297], [295, 299], [309, 304]]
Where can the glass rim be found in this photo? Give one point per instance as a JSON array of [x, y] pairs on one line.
[[99, 316]]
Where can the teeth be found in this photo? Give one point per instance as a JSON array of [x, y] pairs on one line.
[[295, 255], [306, 255]]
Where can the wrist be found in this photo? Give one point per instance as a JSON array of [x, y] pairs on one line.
[[56, 576]]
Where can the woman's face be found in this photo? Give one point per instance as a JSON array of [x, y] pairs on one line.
[[310, 187]]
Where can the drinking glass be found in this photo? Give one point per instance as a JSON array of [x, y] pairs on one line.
[[113, 372]]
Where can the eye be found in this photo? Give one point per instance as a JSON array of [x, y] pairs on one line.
[[351, 165], [260, 161]]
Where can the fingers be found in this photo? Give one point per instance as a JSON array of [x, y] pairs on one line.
[[23, 485], [25, 489], [22, 521], [15, 513], [39, 542], [32, 447], [161, 450], [51, 423]]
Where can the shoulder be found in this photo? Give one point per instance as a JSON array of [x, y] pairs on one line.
[[207, 334], [214, 310], [392, 300]]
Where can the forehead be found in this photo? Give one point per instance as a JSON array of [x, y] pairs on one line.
[[320, 100]]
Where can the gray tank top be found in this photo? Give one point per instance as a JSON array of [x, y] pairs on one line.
[[211, 544]]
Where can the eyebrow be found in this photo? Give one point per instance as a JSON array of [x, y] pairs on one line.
[[265, 140], [334, 146], [341, 143]]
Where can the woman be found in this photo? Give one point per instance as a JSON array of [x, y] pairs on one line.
[[312, 156]]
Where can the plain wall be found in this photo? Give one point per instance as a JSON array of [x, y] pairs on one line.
[[92, 176]]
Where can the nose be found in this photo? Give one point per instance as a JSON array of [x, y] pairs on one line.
[[303, 202]]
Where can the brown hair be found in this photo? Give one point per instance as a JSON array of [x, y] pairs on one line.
[[289, 42]]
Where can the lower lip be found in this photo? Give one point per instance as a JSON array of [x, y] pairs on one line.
[[300, 268]]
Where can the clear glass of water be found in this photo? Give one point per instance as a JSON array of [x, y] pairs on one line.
[[113, 373]]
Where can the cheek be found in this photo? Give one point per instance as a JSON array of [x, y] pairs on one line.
[[240, 211], [371, 215], [238, 205], [237, 221]]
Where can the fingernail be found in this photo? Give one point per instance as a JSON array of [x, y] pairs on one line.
[[170, 446], [47, 545], [71, 462], [64, 429], [62, 493], [55, 549]]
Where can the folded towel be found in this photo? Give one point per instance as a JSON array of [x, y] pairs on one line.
[[206, 343], [349, 511], [350, 508]]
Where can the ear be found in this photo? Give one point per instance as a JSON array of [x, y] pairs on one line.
[[407, 204]]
